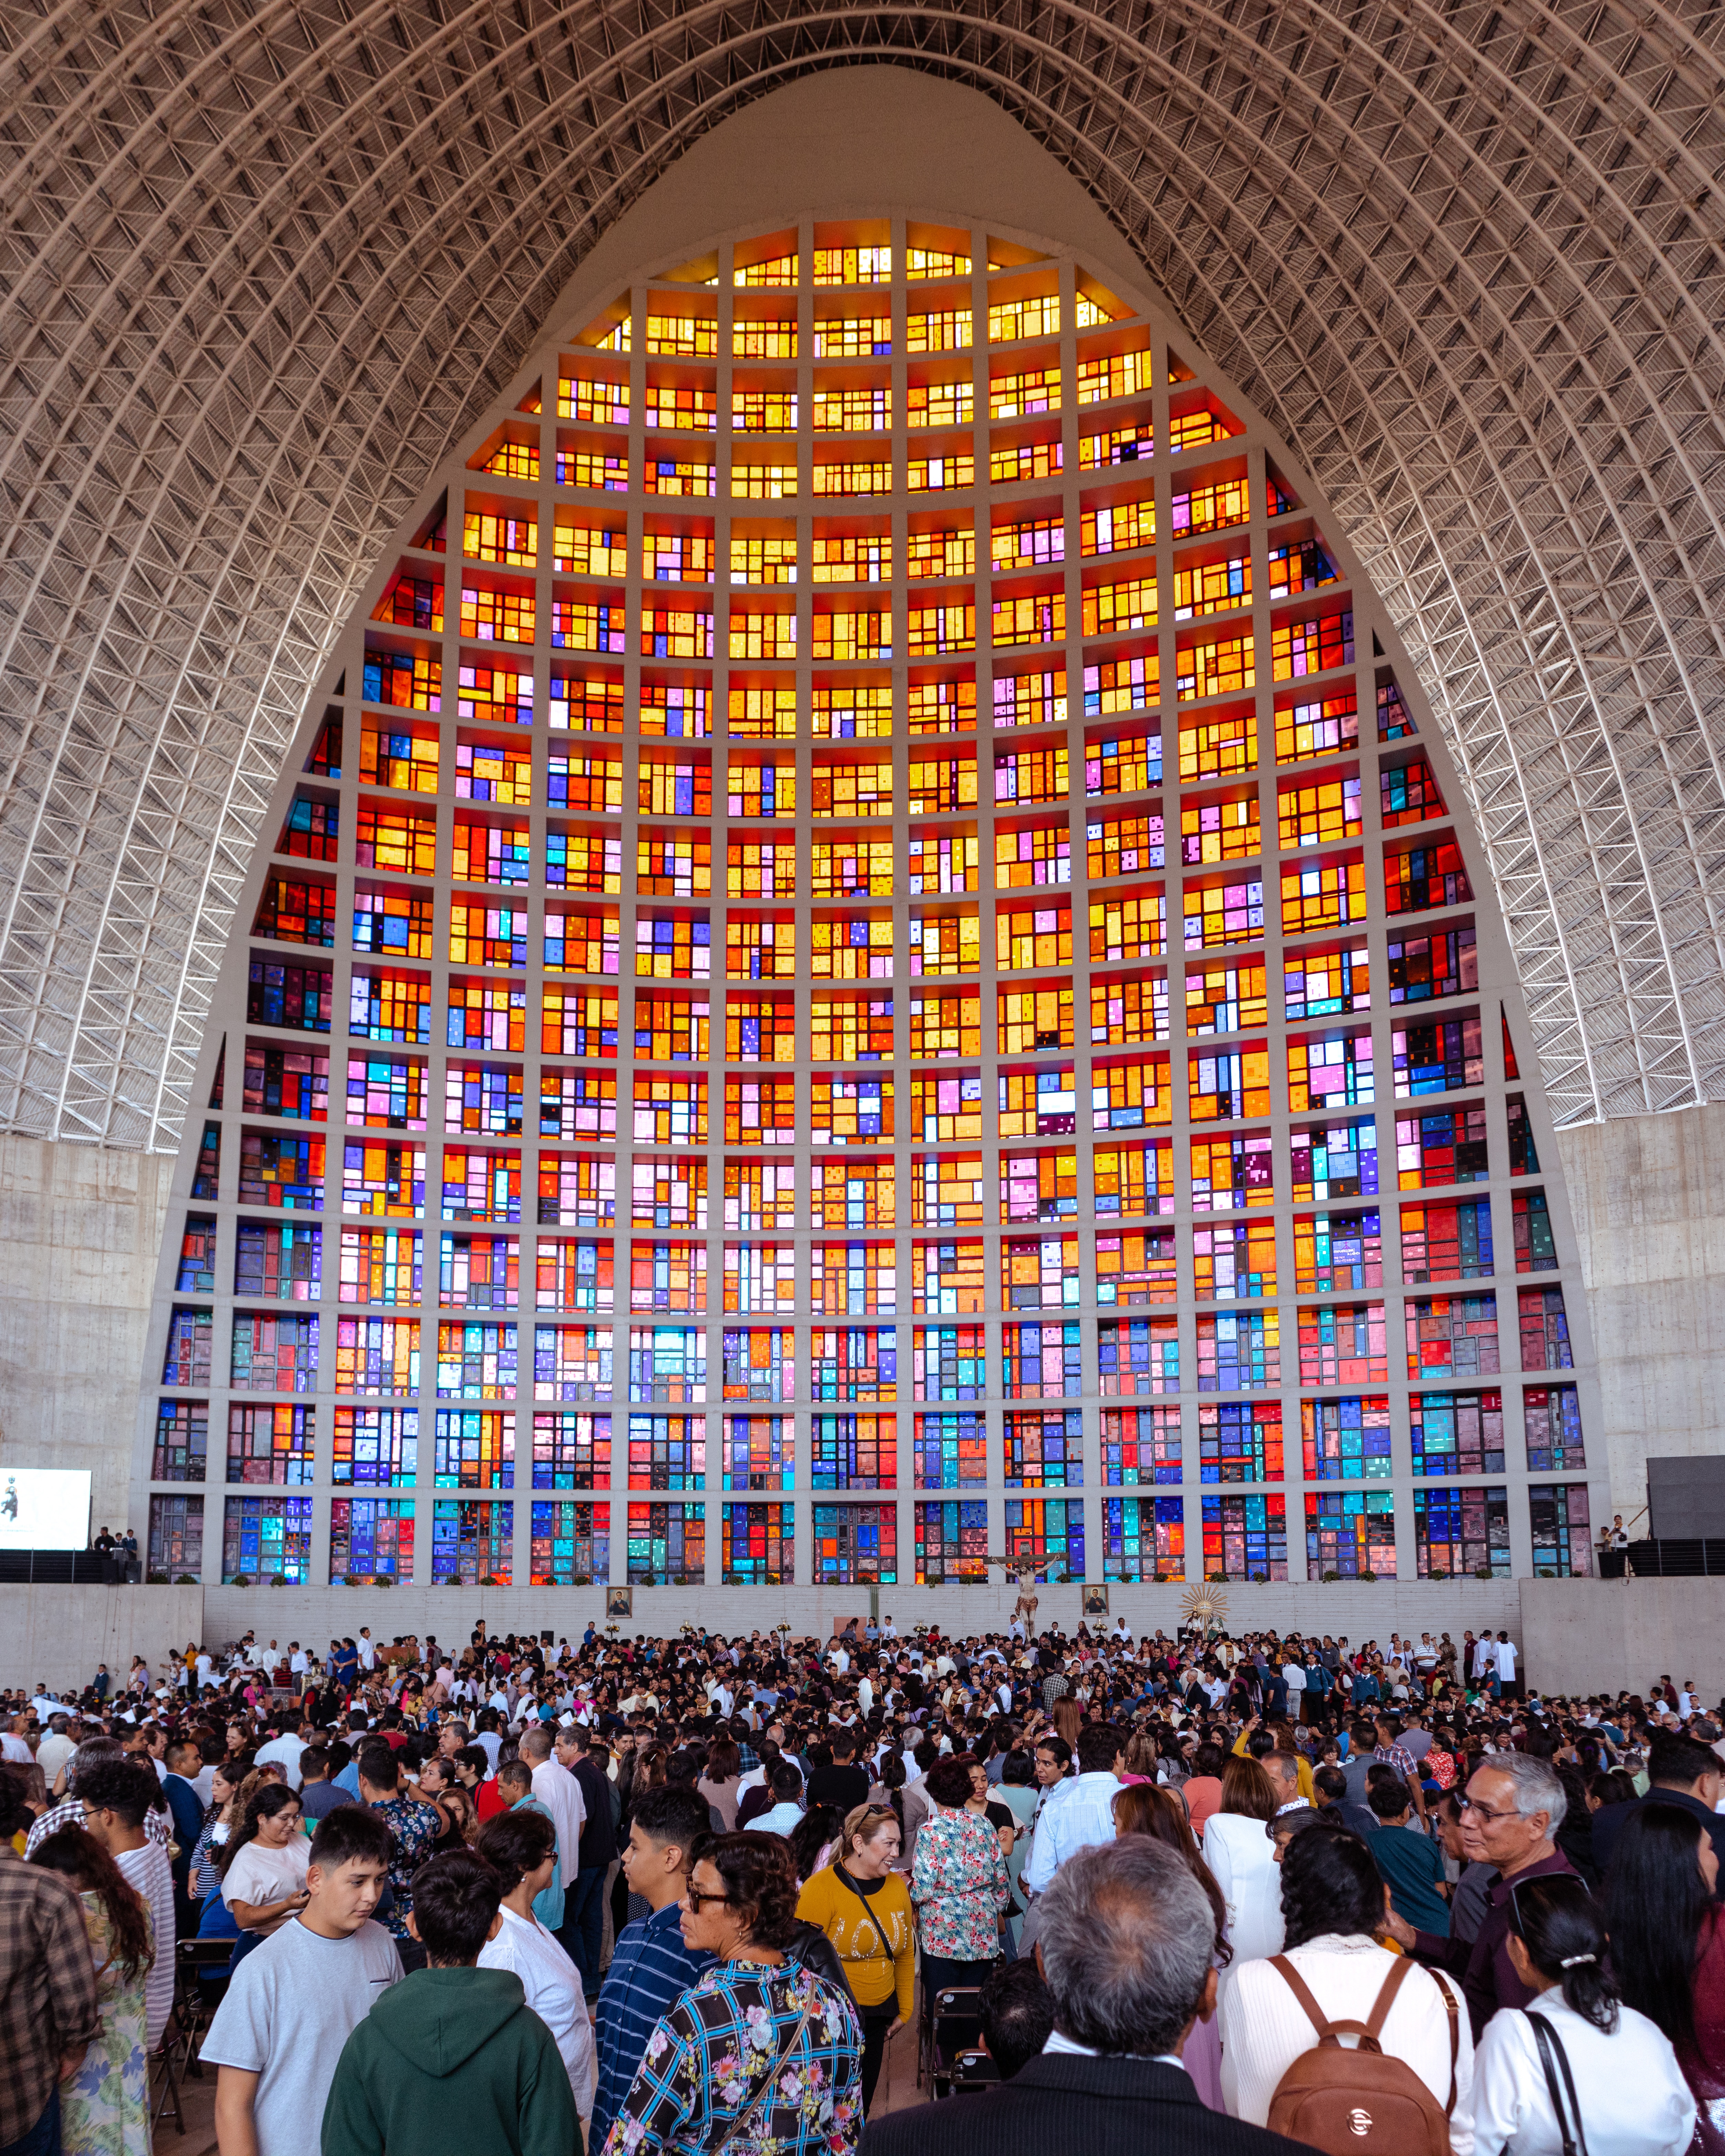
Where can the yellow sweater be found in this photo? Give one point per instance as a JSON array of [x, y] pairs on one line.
[[1302, 1766], [846, 1917]]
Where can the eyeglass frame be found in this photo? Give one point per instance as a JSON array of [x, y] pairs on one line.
[[697, 1901]]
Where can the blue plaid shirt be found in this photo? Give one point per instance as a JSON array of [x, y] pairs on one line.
[[650, 1970], [714, 2054]]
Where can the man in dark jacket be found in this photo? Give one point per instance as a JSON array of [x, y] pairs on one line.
[[582, 1933], [1125, 1943], [453, 2047], [1682, 1772], [1514, 1806]]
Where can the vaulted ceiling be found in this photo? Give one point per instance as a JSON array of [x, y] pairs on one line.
[[262, 261]]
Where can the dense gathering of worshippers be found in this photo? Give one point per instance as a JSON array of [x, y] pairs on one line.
[[626, 1894]]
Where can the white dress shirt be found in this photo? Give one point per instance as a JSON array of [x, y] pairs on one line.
[[285, 1751], [1264, 2028], [558, 1789], [1634, 2099], [552, 1984], [1242, 1861], [1075, 1814]]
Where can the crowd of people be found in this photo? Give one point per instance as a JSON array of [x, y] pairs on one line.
[[638, 1894]]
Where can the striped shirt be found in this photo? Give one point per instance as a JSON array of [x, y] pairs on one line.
[[650, 1970]]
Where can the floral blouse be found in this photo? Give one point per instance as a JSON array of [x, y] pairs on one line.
[[710, 2058], [959, 1884]]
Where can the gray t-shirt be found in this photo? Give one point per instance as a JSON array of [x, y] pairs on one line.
[[292, 2004]]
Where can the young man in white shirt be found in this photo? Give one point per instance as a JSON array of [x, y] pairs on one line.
[[1505, 1659], [294, 2002], [366, 1647], [116, 1794]]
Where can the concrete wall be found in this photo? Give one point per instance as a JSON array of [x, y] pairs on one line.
[[1578, 1635], [1647, 1196], [59, 1635], [1583, 1636], [80, 1229], [1361, 1610]]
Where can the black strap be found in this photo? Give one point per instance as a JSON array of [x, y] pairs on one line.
[[1550, 2043]]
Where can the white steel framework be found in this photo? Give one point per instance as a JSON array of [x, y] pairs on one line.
[[263, 261]]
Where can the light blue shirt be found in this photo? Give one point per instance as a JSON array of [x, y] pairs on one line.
[[1075, 1816]]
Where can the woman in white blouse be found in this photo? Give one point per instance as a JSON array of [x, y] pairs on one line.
[[1608, 2064], [1333, 1903], [520, 1847]]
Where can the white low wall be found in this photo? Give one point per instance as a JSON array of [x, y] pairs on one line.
[[1575, 1635], [1588, 1636], [1359, 1610], [59, 1635]]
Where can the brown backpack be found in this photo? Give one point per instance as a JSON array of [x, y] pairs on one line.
[[1358, 2103]]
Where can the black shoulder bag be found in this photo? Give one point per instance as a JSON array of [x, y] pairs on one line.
[[1555, 2059]]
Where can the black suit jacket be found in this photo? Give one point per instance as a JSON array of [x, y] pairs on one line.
[[1611, 1819], [1104, 2107]]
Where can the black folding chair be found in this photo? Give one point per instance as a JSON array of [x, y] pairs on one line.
[[974, 2072], [955, 2027]]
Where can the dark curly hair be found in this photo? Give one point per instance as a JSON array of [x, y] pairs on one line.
[[1330, 1883], [947, 1781], [515, 1843], [759, 1875]]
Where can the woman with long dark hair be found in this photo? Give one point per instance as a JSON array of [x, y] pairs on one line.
[[1334, 1905], [264, 1863], [104, 2108], [1667, 1936], [1577, 2046]]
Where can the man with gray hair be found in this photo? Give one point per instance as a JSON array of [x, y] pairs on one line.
[[1512, 1809], [1128, 1950]]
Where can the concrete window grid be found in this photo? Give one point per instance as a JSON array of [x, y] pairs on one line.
[[1250, 448]]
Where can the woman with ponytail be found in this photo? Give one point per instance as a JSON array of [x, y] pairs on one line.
[[1576, 2068]]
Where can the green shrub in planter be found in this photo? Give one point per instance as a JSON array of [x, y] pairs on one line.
[[186, 1580], [1329, 1575], [1367, 1574], [1545, 1572], [382, 1579], [240, 1579], [1482, 1572], [278, 1579], [156, 1579]]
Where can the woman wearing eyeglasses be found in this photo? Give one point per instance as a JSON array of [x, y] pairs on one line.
[[863, 1905], [760, 2050], [1576, 2069]]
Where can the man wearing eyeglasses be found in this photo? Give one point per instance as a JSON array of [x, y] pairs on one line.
[[1511, 1811]]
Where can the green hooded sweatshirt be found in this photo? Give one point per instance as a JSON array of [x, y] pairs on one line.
[[452, 2051]]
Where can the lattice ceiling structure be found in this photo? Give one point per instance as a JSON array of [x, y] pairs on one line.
[[264, 262]]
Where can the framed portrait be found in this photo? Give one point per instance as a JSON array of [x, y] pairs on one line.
[[1096, 1601], [620, 1602]]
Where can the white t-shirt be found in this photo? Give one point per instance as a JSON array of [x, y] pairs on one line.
[[1632, 2096], [1507, 1660], [258, 1874], [552, 1984], [291, 2006], [148, 1872], [15, 1750]]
